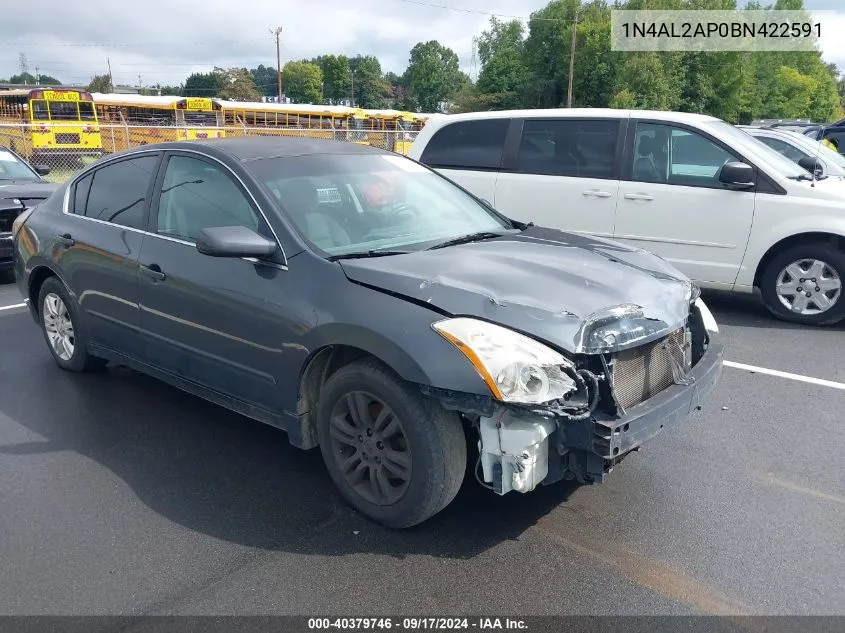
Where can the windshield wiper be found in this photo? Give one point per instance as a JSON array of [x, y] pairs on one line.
[[364, 254], [802, 177], [466, 239]]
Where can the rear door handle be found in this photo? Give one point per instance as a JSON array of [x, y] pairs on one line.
[[65, 239], [596, 193], [154, 272], [638, 196]]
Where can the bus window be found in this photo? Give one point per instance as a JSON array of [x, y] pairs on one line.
[[39, 110], [201, 119], [63, 110], [86, 111]]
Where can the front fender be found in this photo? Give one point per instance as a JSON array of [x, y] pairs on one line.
[[412, 349], [796, 224]]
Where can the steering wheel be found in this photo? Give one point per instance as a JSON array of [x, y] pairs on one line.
[[401, 209]]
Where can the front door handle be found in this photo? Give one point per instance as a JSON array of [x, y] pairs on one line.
[[65, 239], [638, 196], [154, 272], [596, 193]]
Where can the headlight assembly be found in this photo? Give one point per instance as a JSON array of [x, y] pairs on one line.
[[516, 368]]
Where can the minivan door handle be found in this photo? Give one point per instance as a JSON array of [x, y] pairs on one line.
[[65, 239], [597, 193], [638, 196], [154, 272]]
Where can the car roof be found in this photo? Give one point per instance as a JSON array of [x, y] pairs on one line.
[[248, 148], [663, 115]]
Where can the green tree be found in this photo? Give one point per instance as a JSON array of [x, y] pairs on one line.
[[266, 79], [400, 92], [237, 85], [303, 82], [337, 77], [203, 84], [433, 73], [101, 83], [30, 79], [504, 74], [370, 87], [644, 83]]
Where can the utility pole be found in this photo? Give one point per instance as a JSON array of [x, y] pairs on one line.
[[352, 90], [139, 84], [37, 82], [571, 63], [278, 32], [111, 81]]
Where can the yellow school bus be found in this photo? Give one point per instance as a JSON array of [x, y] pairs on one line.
[[285, 119], [132, 120], [50, 125]]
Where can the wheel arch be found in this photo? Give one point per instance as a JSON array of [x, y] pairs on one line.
[[833, 239]]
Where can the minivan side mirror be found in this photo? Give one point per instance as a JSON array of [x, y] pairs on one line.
[[41, 170], [234, 241], [736, 175]]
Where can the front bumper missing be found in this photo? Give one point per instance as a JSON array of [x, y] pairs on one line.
[[587, 450]]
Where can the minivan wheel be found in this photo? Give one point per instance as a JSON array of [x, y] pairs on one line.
[[394, 455], [60, 323], [804, 284]]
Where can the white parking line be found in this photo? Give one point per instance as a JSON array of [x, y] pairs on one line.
[[11, 307], [783, 374]]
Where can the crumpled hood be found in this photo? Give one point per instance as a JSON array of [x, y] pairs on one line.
[[545, 283], [28, 190]]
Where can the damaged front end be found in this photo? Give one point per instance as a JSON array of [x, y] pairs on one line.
[[557, 417]]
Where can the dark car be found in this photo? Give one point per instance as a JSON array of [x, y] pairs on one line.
[[21, 188], [371, 307]]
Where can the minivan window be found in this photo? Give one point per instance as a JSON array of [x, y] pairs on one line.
[[119, 192], [676, 156], [467, 145], [568, 147]]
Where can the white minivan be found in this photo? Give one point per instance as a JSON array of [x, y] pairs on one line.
[[725, 209]]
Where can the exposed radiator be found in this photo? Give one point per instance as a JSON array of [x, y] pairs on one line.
[[642, 372]]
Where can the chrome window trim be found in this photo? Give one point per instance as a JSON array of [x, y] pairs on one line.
[[72, 182]]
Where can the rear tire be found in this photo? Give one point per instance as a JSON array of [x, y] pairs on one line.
[[394, 455], [804, 284], [63, 329]]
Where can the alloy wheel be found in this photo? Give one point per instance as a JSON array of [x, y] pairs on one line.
[[58, 326]]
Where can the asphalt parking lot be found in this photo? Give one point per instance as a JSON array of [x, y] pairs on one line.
[[121, 495]]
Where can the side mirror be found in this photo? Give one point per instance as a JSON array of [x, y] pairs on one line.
[[234, 241], [736, 175], [41, 170], [812, 165]]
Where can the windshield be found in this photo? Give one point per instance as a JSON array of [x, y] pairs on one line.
[[781, 163], [12, 168], [201, 119], [352, 203]]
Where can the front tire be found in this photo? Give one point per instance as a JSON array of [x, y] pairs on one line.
[[394, 455], [804, 284], [60, 323]]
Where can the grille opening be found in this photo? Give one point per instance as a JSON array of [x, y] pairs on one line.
[[642, 372], [64, 138]]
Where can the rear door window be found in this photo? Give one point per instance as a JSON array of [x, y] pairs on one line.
[[118, 193], [467, 145], [579, 148]]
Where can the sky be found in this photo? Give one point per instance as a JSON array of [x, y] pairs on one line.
[[166, 40]]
